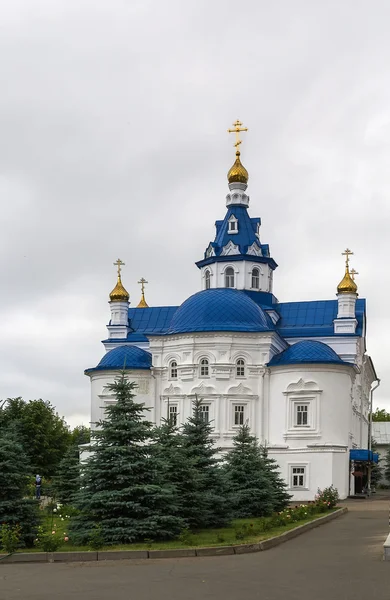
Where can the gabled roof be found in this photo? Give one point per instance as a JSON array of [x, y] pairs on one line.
[[381, 432]]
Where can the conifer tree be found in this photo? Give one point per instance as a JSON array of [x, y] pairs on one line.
[[279, 486], [178, 468], [123, 492], [251, 486], [207, 504], [15, 507], [386, 470]]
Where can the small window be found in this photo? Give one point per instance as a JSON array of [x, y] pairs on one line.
[[205, 413], [173, 414], [204, 367], [301, 415], [298, 477], [239, 412], [240, 368], [233, 225], [255, 278], [229, 277], [173, 370], [207, 280]]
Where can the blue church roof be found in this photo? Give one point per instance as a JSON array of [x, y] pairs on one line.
[[124, 357], [219, 310], [314, 318], [307, 351], [297, 319], [244, 237]]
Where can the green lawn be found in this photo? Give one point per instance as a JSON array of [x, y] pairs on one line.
[[206, 537]]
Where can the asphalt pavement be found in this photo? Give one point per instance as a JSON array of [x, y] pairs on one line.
[[340, 560]]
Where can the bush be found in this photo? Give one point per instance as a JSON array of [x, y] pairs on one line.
[[327, 498], [96, 540], [10, 538], [50, 541]]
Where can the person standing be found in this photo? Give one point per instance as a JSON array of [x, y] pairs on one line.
[[38, 483]]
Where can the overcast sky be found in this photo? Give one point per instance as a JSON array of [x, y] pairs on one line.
[[113, 142]]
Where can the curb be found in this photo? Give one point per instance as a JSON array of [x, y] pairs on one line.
[[33, 557]]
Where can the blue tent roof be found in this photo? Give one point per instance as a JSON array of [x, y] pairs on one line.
[[221, 309], [307, 351], [245, 236], [124, 357]]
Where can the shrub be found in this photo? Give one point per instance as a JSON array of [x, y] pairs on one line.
[[96, 540], [185, 537], [10, 538], [50, 541], [328, 498]]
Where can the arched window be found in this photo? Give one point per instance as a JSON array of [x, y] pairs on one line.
[[173, 370], [229, 277], [204, 367], [207, 279], [255, 278], [240, 368]]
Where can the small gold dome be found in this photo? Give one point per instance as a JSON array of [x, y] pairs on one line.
[[238, 173], [347, 284], [119, 294]]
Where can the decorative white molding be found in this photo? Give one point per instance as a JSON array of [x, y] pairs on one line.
[[210, 251], [239, 389], [230, 249], [203, 389], [172, 390], [254, 250], [302, 386]]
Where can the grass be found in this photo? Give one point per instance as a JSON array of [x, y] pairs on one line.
[[206, 537]]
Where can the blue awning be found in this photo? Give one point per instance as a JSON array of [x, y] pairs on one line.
[[363, 455]]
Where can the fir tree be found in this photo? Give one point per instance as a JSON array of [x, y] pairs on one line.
[[123, 492], [251, 485], [376, 468], [207, 504], [178, 468], [15, 508], [386, 470], [67, 481], [279, 487]]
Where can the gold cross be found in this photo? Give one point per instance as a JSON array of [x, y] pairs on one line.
[[142, 281], [347, 253], [118, 263], [236, 130], [353, 273]]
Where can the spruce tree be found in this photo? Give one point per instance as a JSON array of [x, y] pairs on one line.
[[386, 470], [279, 487], [178, 468], [207, 504], [251, 486], [67, 481], [15, 507], [123, 492]]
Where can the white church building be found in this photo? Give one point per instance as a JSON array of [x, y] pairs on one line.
[[296, 372]]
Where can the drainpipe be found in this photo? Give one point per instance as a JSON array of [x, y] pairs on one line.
[[378, 381]]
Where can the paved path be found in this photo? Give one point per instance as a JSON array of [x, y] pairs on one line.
[[339, 561]]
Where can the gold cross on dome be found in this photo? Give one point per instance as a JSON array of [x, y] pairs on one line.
[[142, 281], [347, 253], [237, 129], [353, 273], [118, 263]]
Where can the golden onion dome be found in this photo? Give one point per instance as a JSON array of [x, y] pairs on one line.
[[238, 173], [119, 293], [347, 284]]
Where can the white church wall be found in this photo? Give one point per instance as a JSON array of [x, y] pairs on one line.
[[319, 468], [242, 275], [101, 396], [324, 390]]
